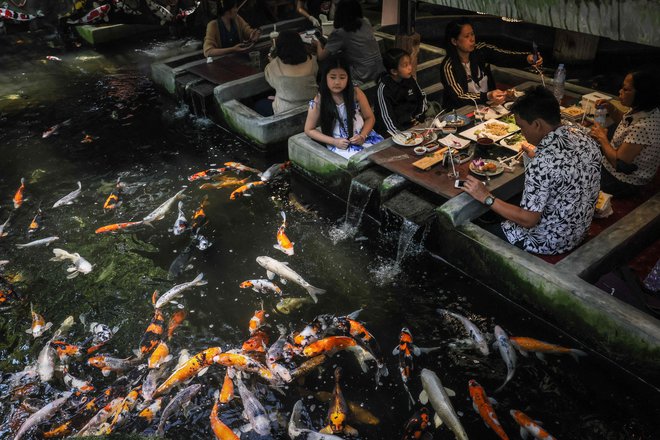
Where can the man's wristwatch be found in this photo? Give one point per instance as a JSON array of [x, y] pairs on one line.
[[489, 200]]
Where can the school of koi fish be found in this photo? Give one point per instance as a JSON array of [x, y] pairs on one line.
[[152, 387]]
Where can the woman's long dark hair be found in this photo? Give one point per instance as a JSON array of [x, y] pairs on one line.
[[348, 15], [452, 31], [328, 107], [647, 91]]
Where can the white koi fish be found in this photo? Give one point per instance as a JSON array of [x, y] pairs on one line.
[[43, 415], [435, 393], [69, 198], [274, 170], [274, 267], [473, 331], [80, 265], [255, 412], [163, 209], [182, 398], [55, 129], [507, 352], [3, 226], [46, 362], [43, 242], [159, 11], [181, 224], [177, 290]]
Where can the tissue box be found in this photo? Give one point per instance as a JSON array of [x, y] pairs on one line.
[[588, 102]]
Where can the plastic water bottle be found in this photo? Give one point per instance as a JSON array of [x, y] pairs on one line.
[[600, 115], [558, 83]]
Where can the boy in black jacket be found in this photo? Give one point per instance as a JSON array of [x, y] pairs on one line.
[[400, 102]]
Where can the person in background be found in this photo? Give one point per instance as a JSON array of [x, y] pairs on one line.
[[561, 182], [226, 34], [632, 157], [292, 73], [354, 37], [401, 103], [310, 9], [343, 111], [465, 72]]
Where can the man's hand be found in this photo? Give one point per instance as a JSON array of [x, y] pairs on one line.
[[539, 60], [314, 21], [599, 133], [475, 188], [497, 96]]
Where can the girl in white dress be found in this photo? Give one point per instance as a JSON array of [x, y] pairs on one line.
[[343, 111]]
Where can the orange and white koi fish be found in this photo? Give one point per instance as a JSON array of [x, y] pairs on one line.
[[227, 182], [122, 412], [257, 321], [55, 128], [283, 243], [328, 346], [359, 332], [274, 170], [220, 430], [18, 196], [257, 342], [195, 365], [528, 426], [418, 425], [114, 199], [244, 362], [175, 320], [39, 325], [35, 224], [338, 412], [482, 405], [207, 174], [65, 351], [149, 413], [116, 227], [109, 364], [261, 286], [525, 345], [240, 167], [75, 383], [405, 350], [53, 58], [242, 191], [227, 391], [161, 355], [199, 217]]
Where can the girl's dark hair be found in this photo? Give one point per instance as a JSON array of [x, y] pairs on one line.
[[290, 48], [328, 109], [452, 31], [537, 103], [647, 91], [392, 58], [224, 6], [348, 15]]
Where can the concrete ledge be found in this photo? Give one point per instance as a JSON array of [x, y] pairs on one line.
[[105, 33], [164, 73]]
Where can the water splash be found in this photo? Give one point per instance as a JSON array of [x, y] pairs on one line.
[[385, 271], [358, 198]]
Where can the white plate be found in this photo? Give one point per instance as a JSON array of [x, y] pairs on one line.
[[498, 170], [515, 147], [402, 139], [450, 141], [481, 129], [493, 112]]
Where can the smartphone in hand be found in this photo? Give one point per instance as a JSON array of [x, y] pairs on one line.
[[459, 183]]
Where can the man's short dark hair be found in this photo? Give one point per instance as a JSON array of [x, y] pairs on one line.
[[537, 103]]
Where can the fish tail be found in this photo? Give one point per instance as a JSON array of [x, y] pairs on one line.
[[180, 205], [382, 371], [337, 374], [199, 281], [283, 214], [79, 185], [411, 402], [313, 291], [577, 354], [60, 254], [22, 181]]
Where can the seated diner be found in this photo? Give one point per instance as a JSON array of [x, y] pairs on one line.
[[632, 156], [229, 33], [465, 72], [343, 111], [562, 181]]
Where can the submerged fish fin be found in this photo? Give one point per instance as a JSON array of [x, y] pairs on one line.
[[137, 353], [28, 331], [474, 407], [313, 291], [541, 357], [423, 397], [396, 350], [492, 401], [326, 430], [428, 349], [106, 372], [354, 315], [202, 372], [525, 353], [271, 275], [72, 275], [416, 350], [437, 420], [523, 433], [450, 392], [575, 353]]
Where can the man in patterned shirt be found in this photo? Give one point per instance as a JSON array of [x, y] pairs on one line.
[[562, 181]]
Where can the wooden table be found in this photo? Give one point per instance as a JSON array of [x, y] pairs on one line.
[[231, 67]]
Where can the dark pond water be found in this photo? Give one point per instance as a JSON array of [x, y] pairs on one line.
[[153, 144]]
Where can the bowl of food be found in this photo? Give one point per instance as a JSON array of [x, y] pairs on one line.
[[485, 140], [448, 130], [420, 151]]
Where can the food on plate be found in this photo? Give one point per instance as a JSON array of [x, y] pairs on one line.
[[508, 119], [496, 129], [513, 140], [573, 111], [484, 167]]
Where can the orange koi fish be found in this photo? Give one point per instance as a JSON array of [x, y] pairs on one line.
[[328, 346], [149, 413], [65, 351], [227, 182], [114, 199], [199, 217], [122, 412], [482, 405], [524, 345], [242, 191], [154, 333], [221, 431], [35, 223], [244, 363], [207, 174], [528, 426], [116, 227], [39, 325], [175, 320], [160, 356], [258, 320], [283, 242], [196, 364], [257, 342], [18, 197], [227, 391], [418, 425], [240, 167], [338, 412]]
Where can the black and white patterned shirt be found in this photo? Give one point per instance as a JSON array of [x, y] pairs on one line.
[[562, 183]]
